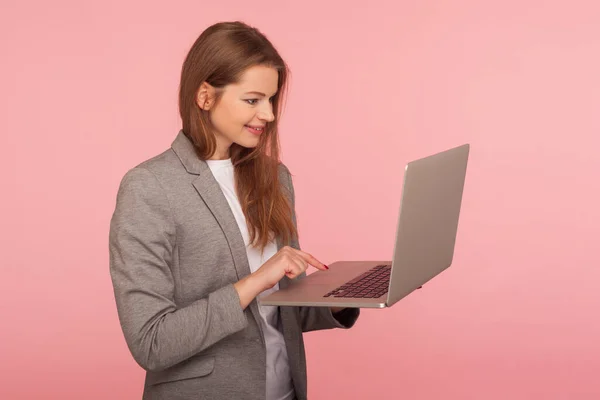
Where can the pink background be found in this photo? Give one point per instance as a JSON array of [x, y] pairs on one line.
[[89, 90]]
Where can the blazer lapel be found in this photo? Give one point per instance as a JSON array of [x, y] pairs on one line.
[[208, 188], [210, 191]]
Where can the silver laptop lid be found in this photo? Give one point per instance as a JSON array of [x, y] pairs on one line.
[[428, 220]]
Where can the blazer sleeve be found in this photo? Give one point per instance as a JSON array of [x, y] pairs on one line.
[[317, 318], [142, 241]]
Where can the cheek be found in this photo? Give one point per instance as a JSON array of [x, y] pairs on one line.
[[221, 119], [240, 113], [232, 117]]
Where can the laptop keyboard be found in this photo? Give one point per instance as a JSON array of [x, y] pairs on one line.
[[371, 284]]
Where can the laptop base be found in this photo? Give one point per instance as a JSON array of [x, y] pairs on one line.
[[311, 290]]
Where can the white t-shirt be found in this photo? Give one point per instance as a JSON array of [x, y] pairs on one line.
[[279, 379]]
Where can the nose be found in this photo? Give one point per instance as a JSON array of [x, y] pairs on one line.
[[266, 113]]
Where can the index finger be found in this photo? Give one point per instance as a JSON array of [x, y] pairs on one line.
[[312, 260]]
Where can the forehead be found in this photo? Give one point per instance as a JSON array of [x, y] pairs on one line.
[[259, 78]]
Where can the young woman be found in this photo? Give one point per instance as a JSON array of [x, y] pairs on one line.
[[202, 229]]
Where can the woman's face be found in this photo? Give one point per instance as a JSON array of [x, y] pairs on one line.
[[244, 109]]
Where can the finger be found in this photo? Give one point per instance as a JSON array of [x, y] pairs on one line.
[[295, 269], [294, 264], [299, 264], [311, 260]]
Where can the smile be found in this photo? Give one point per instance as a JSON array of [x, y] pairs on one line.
[[257, 130]]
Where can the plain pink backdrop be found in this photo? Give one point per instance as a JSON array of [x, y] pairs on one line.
[[89, 89]]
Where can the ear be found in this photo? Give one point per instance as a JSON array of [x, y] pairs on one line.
[[205, 98]]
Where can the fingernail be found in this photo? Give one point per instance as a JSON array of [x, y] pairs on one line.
[[326, 266]]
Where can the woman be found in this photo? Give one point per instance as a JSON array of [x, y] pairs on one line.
[[202, 229]]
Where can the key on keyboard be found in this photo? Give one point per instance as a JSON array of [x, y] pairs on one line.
[[371, 284]]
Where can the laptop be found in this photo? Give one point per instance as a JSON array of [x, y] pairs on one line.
[[424, 245]]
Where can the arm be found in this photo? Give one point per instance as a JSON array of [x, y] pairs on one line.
[[142, 236]]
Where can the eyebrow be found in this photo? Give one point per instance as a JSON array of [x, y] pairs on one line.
[[258, 93]]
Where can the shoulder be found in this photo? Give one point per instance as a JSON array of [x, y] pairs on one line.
[[283, 168], [164, 165], [285, 176], [155, 171], [285, 180], [150, 181], [284, 171]]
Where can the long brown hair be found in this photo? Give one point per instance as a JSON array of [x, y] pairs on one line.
[[220, 55]]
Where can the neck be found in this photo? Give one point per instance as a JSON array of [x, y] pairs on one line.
[[219, 157], [222, 151], [220, 154]]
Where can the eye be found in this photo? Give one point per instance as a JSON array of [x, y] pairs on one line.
[[251, 101]]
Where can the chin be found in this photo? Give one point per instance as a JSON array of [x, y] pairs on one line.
[[249, 144]]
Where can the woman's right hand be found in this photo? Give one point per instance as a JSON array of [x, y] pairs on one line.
[[286, 262]]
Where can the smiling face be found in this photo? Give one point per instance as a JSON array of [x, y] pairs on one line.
[[243, 109]]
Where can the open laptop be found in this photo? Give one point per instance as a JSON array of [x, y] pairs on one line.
[[424, 246]]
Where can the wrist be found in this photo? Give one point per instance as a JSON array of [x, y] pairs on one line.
[[254, 285], [247, 288]]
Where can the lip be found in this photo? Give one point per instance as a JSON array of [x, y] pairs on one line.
[[253, 131]]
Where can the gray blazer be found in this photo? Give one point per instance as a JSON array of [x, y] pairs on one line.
[[175, 252]]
